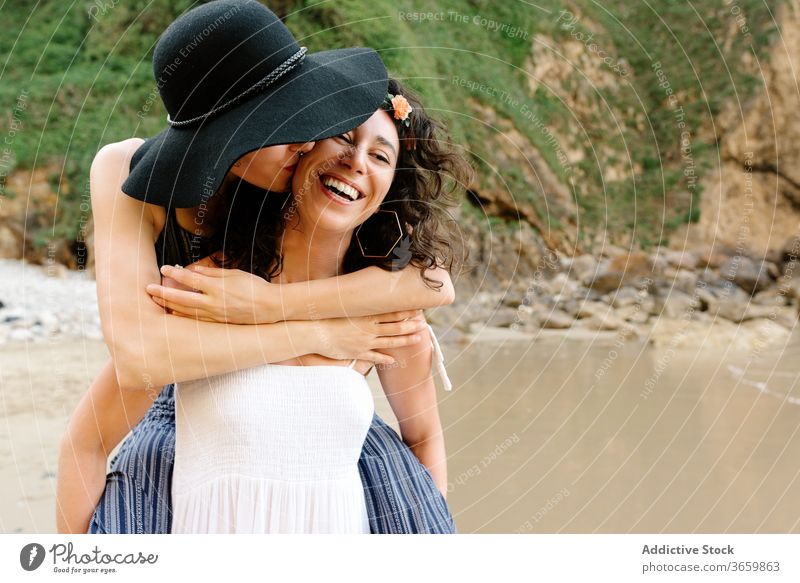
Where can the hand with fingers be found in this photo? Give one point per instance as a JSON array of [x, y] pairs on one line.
[[206, 292], [365, 336]]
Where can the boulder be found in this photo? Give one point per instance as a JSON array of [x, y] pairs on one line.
[[626, 296], [554, 319], [503, 317], [605, 282], [790, 254], [635, 314], [707, 298], [752, 277], [582, 267], [738, 311], [10, 245], [606, 321], [790, 287], [682, 259], [674, 305], [710, 258], [589, 309], [772, 296], [633, 268], [681, 279], [561, 284]]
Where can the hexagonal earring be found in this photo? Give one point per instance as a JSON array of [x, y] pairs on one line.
[[365, 250]]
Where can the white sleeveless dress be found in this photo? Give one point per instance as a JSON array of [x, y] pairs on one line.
[[273, 449]]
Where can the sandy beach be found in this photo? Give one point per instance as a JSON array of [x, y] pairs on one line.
[[40, 384]]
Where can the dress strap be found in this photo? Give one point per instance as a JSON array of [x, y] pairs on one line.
[[438, 361]]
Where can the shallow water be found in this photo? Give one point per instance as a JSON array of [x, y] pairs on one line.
[[580, 437]]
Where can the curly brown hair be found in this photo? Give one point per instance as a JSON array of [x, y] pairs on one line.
[[429, 175]]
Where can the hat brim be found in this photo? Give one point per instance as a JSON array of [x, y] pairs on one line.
[[332, 92]]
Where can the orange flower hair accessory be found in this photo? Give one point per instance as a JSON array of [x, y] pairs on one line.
[[399, 106]]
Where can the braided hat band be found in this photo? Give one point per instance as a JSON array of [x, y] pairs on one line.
[[292, 62]]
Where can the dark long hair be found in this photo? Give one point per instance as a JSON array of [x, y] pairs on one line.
[[429, 176]]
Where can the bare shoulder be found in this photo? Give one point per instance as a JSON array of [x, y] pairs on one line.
[[110, 168], [116, 156]]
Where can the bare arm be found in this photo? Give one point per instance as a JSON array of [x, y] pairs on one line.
[[151, 348], [409, 387], [239, 297], [101, 420], [367, 291]]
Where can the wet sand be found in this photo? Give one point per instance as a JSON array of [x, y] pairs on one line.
[[544, 435]]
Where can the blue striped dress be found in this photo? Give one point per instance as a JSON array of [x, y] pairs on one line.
[[400, 493]]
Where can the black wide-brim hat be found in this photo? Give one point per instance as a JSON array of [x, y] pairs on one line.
[[233, 80]]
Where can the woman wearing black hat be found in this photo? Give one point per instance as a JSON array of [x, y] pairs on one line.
[[217, 116]]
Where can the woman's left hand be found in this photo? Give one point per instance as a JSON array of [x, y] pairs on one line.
[[212, 294]]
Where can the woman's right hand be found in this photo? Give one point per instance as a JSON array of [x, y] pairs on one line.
[[365, 336]]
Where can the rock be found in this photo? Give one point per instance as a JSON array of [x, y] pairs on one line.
[[607, 321], [57, 270], [681, 279], [554, 319], [582, 267], [605, 282], [772, 269], [502, 318], [630, 268], [21, 334], [712, 279], [674, 305], [785, 316], [10, 245], [635, 314], [790, 287], [731, 310], [707, 298], [790, 257], [561, 284], [625, 296], [584, 293], [737, 311], [613, 251], [746, 273], [770, 297], [681, 259], [711, 259], [589, 309], [633, 264], [512, 300]]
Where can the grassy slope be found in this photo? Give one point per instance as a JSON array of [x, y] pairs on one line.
[[88, 78]]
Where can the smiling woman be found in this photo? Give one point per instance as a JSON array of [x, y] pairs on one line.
[[403, 176], [288, 459]]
